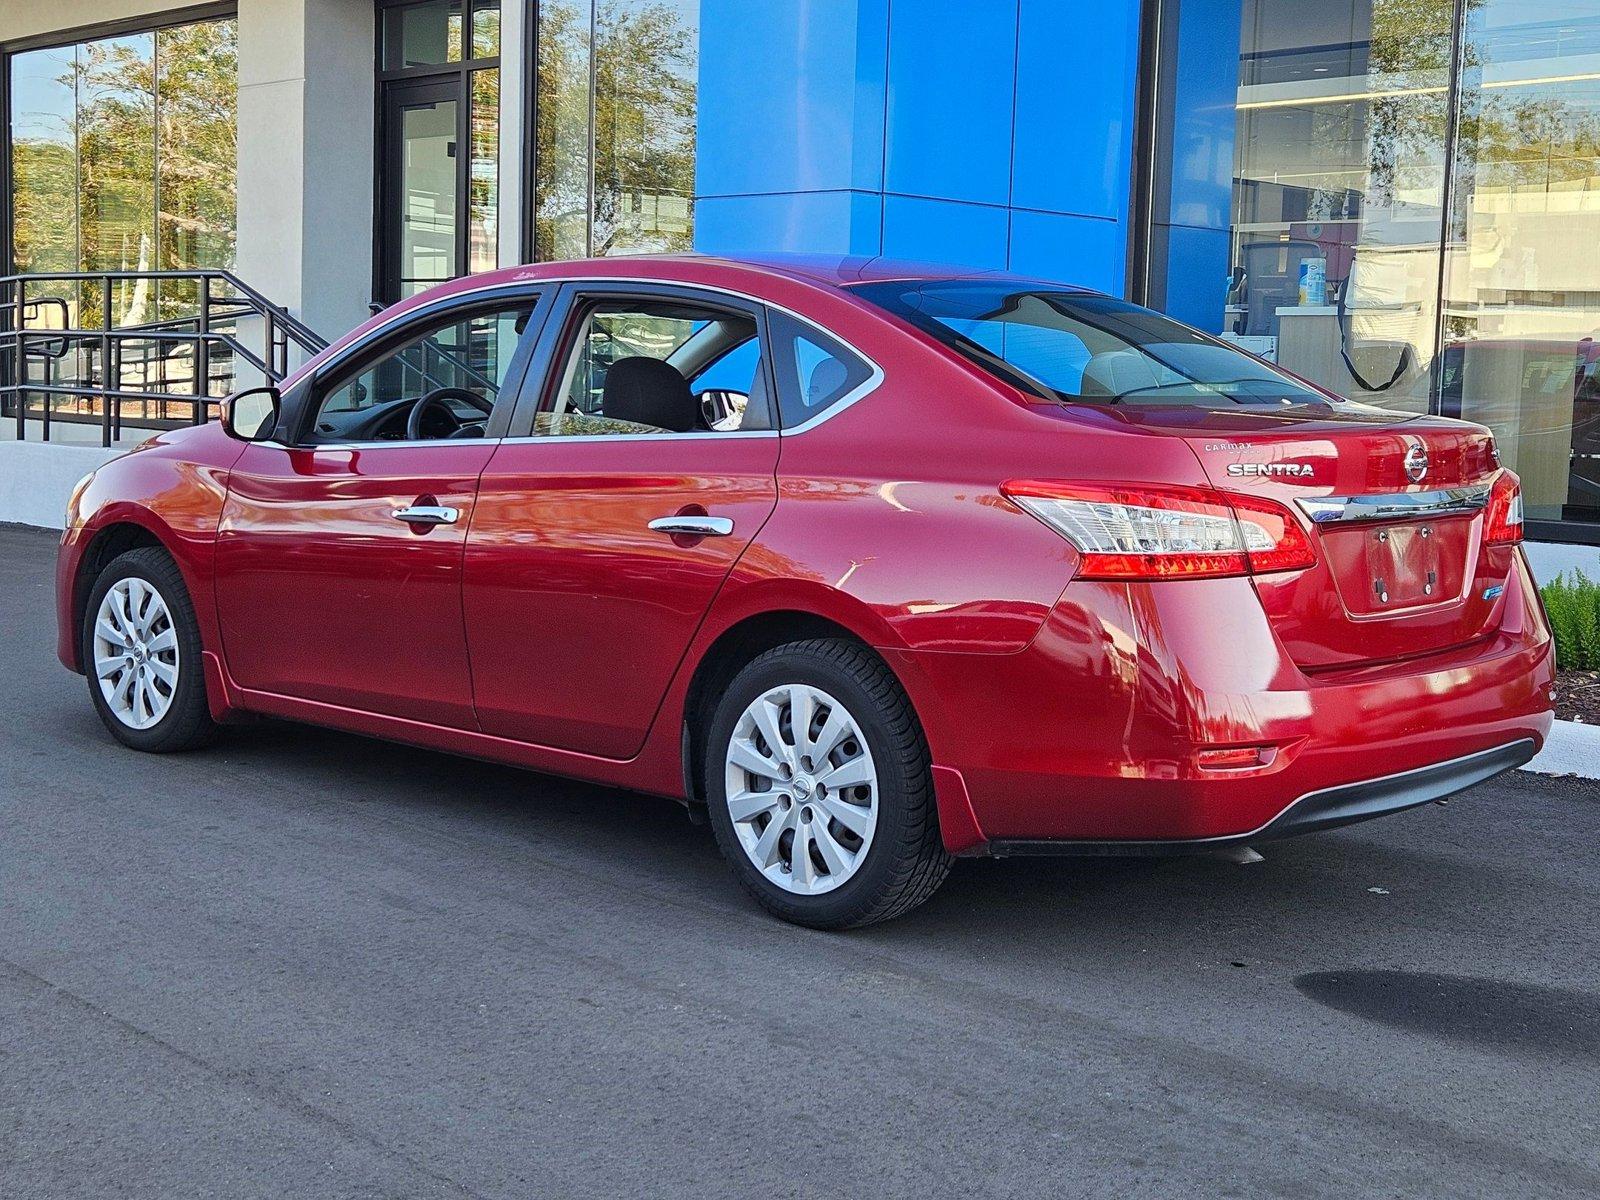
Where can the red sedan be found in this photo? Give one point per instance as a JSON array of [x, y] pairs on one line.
[[873, 565]]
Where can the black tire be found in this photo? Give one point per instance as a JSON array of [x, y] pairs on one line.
[[906, 860], [187, 723]]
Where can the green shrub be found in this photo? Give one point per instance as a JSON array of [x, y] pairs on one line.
[[1574, 608]]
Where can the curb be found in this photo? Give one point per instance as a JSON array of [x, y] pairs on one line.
[[1572, 748]]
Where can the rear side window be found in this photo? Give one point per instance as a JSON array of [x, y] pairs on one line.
[[656, 365], [815, 372]]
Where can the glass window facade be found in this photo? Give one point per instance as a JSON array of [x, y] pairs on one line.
[[426, 187], [1415, 211], [123, 158], [616, 89]]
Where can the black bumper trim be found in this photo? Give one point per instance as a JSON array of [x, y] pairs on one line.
[[1325, 809]]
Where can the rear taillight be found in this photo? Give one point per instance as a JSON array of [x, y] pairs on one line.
[[1156, 531], [1503, 518]]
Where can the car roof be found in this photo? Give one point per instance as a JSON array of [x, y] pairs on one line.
[[829, 270]]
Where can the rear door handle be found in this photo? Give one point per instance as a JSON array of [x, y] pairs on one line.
[[427, 514], [692, 526]]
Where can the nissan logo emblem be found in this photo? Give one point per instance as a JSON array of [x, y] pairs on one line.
[[1417, 463]]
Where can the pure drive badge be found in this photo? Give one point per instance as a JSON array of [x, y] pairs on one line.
[[1283, 470]]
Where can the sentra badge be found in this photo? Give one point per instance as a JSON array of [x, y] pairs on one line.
[[1280, 470]]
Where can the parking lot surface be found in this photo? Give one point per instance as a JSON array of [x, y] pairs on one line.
[[307, 964]]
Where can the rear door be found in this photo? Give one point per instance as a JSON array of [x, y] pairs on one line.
[[606, 524]]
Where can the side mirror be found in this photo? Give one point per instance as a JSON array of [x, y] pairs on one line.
[[251, 416], [722, 409]]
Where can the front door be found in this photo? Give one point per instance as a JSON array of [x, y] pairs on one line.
[[604, 531], [339, 553], [421, 201]]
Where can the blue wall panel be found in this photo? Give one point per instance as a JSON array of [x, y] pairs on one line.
[[806, 222], [972, 235], [1088, 251], [1197, 274], [1206, 88], [975, 132], [1075, 104], [1191, 245], [952, 71], [791, 96]]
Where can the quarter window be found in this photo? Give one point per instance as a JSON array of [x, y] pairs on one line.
[[814, 371]]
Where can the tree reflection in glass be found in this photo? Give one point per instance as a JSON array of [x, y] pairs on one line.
[[646, 60], [197, 88], [124, 159], [616, 106]]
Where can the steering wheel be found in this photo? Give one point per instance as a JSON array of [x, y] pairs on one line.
[[439, 398]]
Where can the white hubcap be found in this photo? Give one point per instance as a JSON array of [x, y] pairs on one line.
[[135, 653], [802, 789]]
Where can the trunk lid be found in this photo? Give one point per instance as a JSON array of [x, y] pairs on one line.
[[1394, 503]]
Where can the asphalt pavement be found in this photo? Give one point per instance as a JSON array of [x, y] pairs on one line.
[[304, 964]]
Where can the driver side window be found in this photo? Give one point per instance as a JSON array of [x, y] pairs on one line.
[[441, 383]]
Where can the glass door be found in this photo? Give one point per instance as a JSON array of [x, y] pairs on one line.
[[423, 186]]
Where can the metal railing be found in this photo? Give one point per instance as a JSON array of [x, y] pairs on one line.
[[158, 374]]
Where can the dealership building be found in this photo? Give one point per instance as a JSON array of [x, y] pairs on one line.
[[1399, 199]]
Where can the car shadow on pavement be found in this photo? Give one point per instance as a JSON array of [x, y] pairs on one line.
[[1325, 887], [1547, 1022]]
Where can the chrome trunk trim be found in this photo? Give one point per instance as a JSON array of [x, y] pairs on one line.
[[1397, 506]]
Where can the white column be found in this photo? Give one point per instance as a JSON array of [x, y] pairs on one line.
[[515, 141], [306, 102]]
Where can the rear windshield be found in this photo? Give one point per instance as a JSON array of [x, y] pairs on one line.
[[1076, 347]]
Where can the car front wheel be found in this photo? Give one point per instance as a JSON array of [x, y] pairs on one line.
[[141, 652], [819, 787]]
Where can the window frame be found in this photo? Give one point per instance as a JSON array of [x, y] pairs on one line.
[[558, 340], [306, 396]]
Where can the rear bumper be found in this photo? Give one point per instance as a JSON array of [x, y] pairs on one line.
[[1092, 734], [1325, 809]]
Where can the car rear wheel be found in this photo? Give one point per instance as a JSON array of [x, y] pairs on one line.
[[819, 787], [141, 653]]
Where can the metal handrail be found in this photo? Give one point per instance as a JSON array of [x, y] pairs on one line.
[[9, 307], [141, 333], [104, 356], [219, 312], [306, 337]]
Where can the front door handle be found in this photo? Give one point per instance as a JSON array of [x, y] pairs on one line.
[[688, 525], [427, 514]]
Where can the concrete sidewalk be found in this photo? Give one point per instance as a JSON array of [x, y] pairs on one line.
[[1572, 749]]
